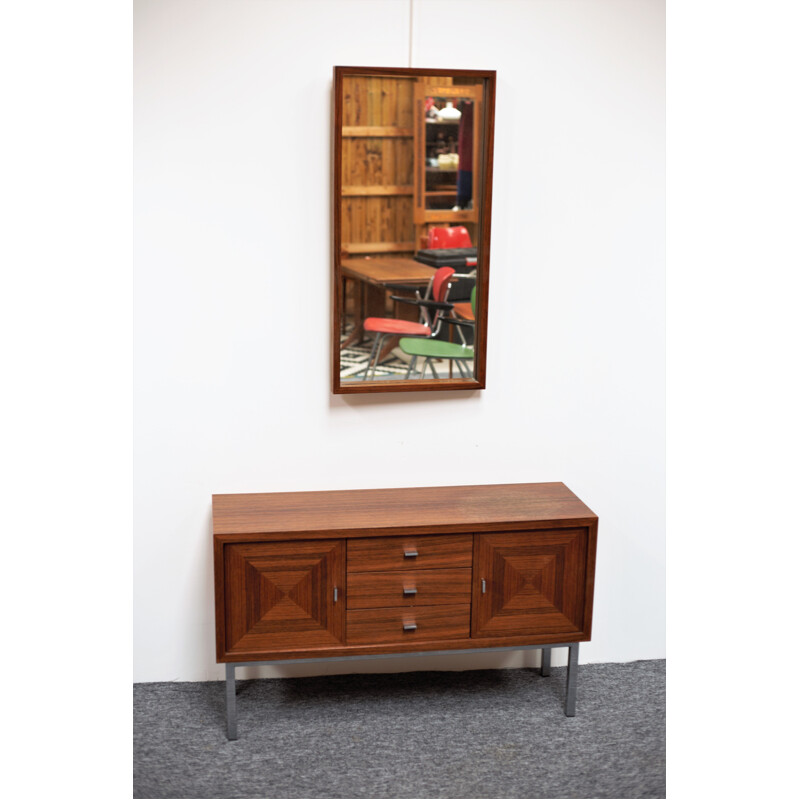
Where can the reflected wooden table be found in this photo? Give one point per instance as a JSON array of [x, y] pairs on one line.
[[370, 276]]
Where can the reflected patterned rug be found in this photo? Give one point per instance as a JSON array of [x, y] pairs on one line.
[[353, 361]]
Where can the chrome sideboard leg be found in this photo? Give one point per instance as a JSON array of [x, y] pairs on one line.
[[572, 680], [546, 662], [230, 699]]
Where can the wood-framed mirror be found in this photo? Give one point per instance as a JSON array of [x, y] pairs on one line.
[[412, 192]]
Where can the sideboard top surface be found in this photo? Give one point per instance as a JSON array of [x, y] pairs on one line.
[[451, 507]]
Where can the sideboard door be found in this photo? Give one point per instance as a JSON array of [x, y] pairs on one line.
[[529, 583], [284, 595]]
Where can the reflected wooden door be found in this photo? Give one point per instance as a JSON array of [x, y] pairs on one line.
[[284, 595], [529, 583]]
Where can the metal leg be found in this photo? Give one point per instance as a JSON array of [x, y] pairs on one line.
[[572, 672], [230, 700], [546, 662], [371, 354], [379, 342], [572, 680], [411, 366]]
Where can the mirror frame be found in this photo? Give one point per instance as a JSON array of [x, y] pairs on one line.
[[484, 226]]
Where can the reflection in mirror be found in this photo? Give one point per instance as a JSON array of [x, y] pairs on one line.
[[412, 175]]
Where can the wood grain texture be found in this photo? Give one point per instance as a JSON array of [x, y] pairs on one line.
[[367, 191], [376, 155], [368, 512], [591, 558], [387, 269], [381, 247], [357, 131], [282, 554], [385, 625], [280, 596], [396, 553], [534, 583], [219, 595], [433, 587], [406, 646]]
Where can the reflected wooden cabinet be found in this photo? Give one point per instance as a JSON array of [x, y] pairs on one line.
[[319, 575], [436, 175]]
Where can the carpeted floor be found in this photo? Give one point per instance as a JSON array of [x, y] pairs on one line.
[[483, 734]]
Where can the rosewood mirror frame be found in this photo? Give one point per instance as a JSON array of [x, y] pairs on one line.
[[483, 200]]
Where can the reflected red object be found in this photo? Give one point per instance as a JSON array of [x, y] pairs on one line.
[[445, 238]]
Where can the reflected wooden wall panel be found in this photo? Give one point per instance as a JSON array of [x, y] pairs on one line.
[[377, 167]]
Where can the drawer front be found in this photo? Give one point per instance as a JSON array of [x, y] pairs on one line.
[[423, 587], [409, 553], [399, 625]]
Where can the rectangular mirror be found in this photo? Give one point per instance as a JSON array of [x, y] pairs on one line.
[[412, 189]]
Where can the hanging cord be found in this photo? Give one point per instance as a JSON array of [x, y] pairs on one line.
[[410, 31]]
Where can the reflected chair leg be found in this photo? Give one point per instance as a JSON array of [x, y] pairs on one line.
[[424, 367], [546, 663], [411, 366], [377, 355], [374, 356], [371, 356], [572, 680], [433, 370], [460, 369], [230, 700]]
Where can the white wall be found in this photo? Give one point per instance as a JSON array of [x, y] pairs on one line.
[[232, 306]]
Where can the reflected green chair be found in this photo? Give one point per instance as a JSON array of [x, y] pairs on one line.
[[430, 349]]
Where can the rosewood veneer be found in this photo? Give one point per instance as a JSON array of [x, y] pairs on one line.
[[374, 573]]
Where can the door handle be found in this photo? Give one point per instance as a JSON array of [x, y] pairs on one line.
[[410, 553], [409, 591], [483, 586], [411, 626], [335, 594]]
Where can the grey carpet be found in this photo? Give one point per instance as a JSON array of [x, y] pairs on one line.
[[483, 734]]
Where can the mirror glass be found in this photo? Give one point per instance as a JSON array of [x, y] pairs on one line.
[[412, 213]]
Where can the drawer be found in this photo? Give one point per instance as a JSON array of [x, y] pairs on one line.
[[409, 552], [406, 625], [423, 587]]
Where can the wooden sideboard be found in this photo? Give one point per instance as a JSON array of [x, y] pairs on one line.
[[378, 572]]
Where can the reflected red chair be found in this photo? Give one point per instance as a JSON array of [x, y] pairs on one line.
[[455, 238], [431, 310]]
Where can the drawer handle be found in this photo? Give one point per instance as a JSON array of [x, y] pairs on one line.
[[409, 591], [411, 626], [410, 553], [483, 586], [335, 594]]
